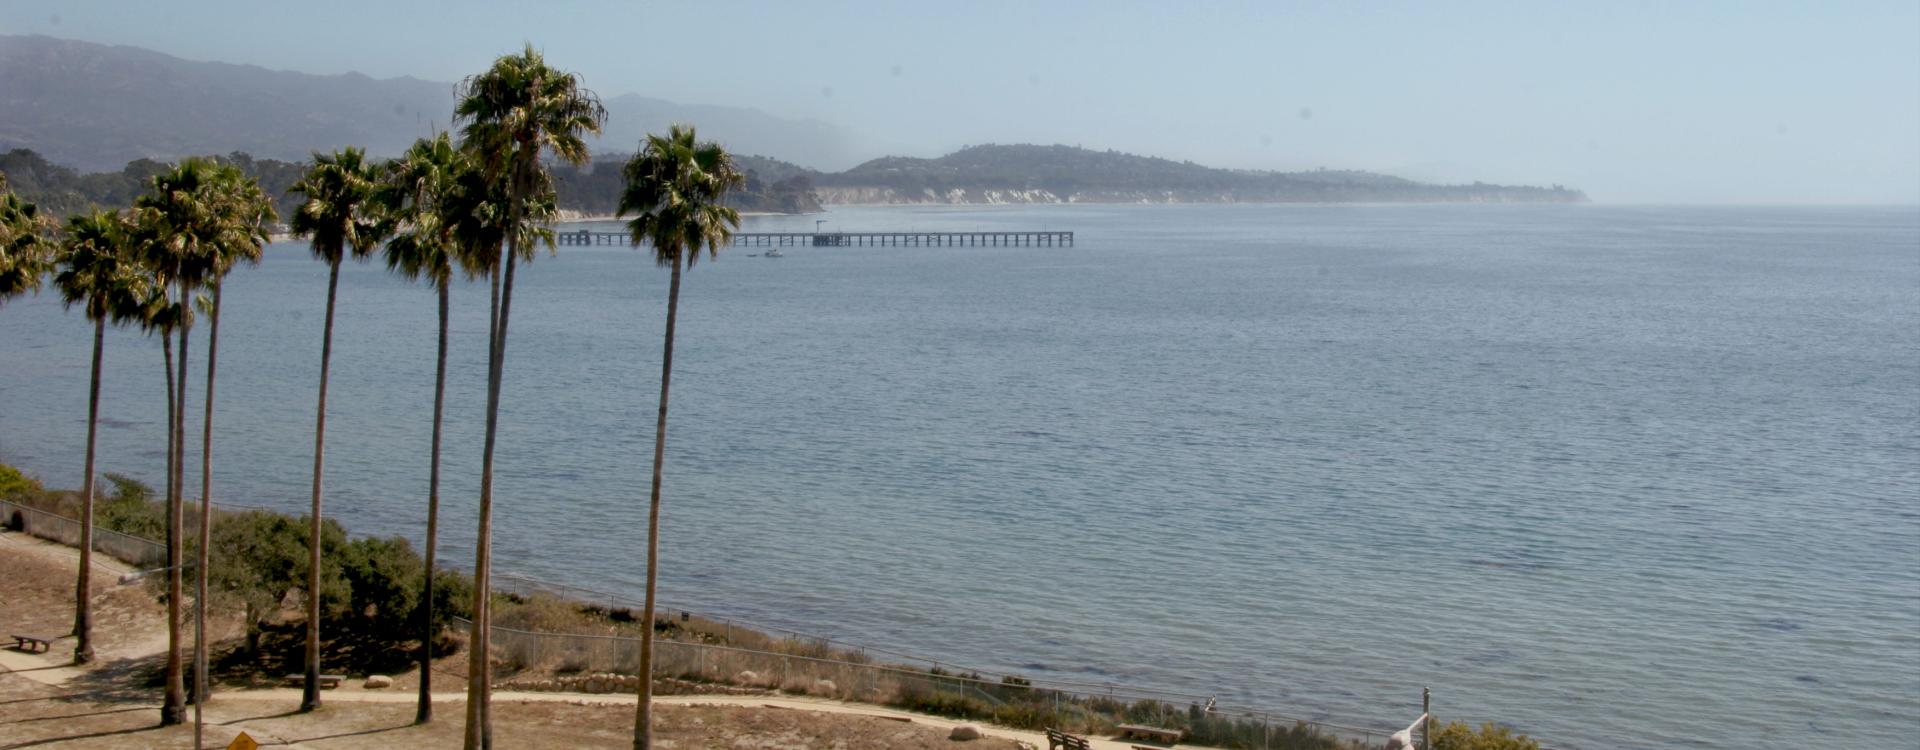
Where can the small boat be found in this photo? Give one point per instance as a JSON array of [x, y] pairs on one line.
[[775, 253]]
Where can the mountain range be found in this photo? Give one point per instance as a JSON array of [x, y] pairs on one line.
[[96, 107]]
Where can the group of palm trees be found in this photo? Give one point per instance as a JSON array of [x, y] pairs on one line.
[[483, 203]]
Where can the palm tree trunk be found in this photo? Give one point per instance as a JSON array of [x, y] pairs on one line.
[[643, 714], [83, 588], [479, 675], [310, 694], [476, 664], [176, 694], [200, 682], [424, 713], [170, 706]]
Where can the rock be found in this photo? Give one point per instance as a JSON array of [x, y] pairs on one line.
[[377, 681], [748, 677], [964, 732], [596, 685], [824, 688]]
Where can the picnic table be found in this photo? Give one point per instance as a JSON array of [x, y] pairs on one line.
[[1150, 734], [31, 643], [327, 681]]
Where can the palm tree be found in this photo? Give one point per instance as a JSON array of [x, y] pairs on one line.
[[236, 231], [24, 246], [340, 214], [418, 195], [99, 272], [517, 109], [159, 314], [676, 188], [175, 239]]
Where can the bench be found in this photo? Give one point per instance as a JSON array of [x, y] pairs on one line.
[[327, 681], [31, 643], [1149, 734], [1058, 740]]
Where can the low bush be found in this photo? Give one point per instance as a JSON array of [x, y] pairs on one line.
[[1457, 735]]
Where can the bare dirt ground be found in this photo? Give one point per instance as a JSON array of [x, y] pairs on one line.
[[114, 703]]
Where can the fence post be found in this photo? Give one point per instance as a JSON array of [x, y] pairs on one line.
[[1426, 718], [1266, 731]]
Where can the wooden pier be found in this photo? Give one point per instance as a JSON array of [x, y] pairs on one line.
[[853, 239]]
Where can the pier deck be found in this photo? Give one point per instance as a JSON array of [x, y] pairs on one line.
[[852, 239]]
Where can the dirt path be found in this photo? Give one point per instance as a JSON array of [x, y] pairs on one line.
[[291, 697]]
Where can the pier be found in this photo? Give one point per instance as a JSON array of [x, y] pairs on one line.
[[853, 239]]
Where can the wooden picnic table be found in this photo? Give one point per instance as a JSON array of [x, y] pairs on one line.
[[31, 643], [327, 681], [1150, 734]]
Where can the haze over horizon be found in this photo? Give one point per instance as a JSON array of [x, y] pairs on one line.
[[1711, 103]]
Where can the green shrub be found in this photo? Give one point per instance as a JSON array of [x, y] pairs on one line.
[[15, 486], [130, 508], [383, 580], [914, 697], [1458, 736]]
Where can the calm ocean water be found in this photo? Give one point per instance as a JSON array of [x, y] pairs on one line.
[[1620, 477]]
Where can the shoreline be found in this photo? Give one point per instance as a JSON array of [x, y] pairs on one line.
[[564, 639]]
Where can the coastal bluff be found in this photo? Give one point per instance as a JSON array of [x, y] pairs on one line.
[[1030, 174]]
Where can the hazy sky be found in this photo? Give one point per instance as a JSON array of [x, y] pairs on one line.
[[1698, 102]]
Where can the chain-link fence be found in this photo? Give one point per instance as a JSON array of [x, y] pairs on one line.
[[133, 550]]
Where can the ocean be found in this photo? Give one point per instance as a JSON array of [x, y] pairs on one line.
[[1620, 477]]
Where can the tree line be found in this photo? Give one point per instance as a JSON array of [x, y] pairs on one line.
[[592, 189], [477, 206]]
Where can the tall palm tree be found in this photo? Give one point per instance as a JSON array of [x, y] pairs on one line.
[[515, 111], [235, 230], [340, 215], [24, 247], [418, 195], [176, 238], [159, 314], [676, 188], [99, 272]]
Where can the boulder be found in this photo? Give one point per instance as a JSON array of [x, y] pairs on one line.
[[824, 688], [747, 677], [377, 682], [964, 732]]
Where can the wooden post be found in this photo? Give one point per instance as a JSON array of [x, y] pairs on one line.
[[1426, 718]]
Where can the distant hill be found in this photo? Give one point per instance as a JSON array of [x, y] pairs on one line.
[[1066, 174], [772, 186], [96, 107]]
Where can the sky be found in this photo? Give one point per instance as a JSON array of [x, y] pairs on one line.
[[1635, 102]]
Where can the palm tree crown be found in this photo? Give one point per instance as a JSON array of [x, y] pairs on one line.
[[96, 270], [340, 213], [415, 196], [24, 248], [520, 107], [675, 187]]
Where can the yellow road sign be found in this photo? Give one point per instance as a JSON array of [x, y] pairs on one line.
[[243, 742]]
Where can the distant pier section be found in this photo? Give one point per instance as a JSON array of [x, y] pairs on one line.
[[853, 239]]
